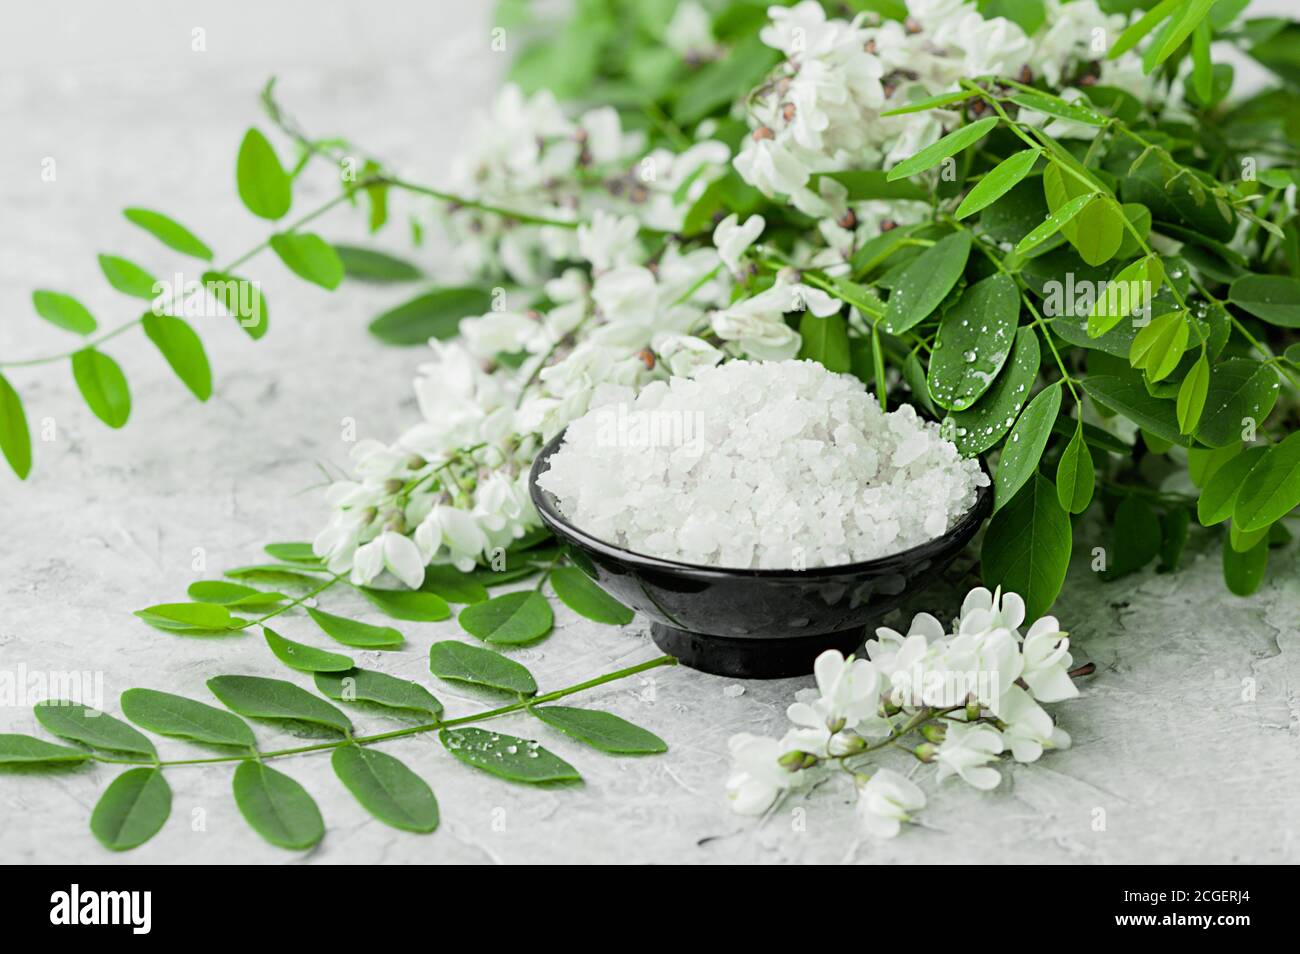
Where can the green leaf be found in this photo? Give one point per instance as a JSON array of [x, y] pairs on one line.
[[998, 181], [982, 425], [188, 617], [1053, 223], [78, 723], [509, 757], [1027, 547], [264, 187], [480, 667], [601, 730], [1127, 293], [351, 632], [973, 342], [865, 184], [414, 605], [241, 298], [1240, 396], [1075, 476], [825, 340], [435, 314], [277, 807], [128, 277], [309, 257], [1202, 67], [183, 350], [386, 788], [1097, 230], [103, 385], [292, 552], [1023, 448], [1274, 298], [15, 438], [1144, 25], [453, 585], [1135, 537], [372, 265], [1181, 27], [1219, 495], [260, 698], [1174, 526], [1159, 346], [1028, 14], [1243, 540], [1128, 396], [578, 592], [1243, 572], [949, 145], [132, 809], [183, 718], [302, 657], [925, 282], [509, 620], [284, 574], [64, 311], [364, 685], [168, 231], [930, 102], [1050, 106], [231, 594], [1191, 396], [1272, 489], [28, 750]]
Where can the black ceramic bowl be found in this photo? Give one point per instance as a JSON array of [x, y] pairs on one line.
[[755, 624]]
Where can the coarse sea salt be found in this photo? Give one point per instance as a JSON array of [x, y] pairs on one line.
[[774, 465]]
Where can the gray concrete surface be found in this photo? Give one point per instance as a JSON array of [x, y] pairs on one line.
[[1179, 765]]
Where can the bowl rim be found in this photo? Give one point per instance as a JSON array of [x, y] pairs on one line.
[[959, 534]]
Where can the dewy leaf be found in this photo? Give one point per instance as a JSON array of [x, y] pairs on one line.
[[72, 720], [982, 425], [183, 350], [1097, 230], [480, 667], [231, 594], [28, 750], [925, 282], [1128, 292], [1051, 106], [264, 187], [413, 605], [363, 685], [15, 438], [998, 181], [453, 585], [1159, 346], [183, 718], [1241, 395], [64, 311], [435, 314], [949, 145], [1191, 396], [1272, 489], [1053, 224], [351, 632], [309, 257], [260, 698], [930, 102], [1243, 572], [578, 592], [1128, 396], [188, 617], [241, 298], [1024, 446], [277, 807], [1273, 298], [168, 231], [974, 339], [519, 760], [825, 340], [1027, 547], [1219, 495], [302, 657], [1075, 477], [103, 385], [132, 809], [601, 730], [510, 620], [1181, 27], [386, 788], [128, 277], [372, 265]]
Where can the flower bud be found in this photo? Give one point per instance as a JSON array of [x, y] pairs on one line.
[[393, 485], [972, 711], [933, 732], [415, 462], [835, 725], [796, 761], [925, 752]]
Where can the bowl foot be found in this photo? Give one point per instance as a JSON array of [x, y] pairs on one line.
[[752, 658]]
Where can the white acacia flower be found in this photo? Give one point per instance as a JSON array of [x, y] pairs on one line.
[[886, 800], [992, 658], [503, 332], [626, 294], [893, 652], [982, 612], [690, 31], [686, 355], [389, 551], [966, 750], [1047, 662], [609, 240], [732, 239], [771, 168], [1028, 729], [450, 533], [757, 778], [847, 698]]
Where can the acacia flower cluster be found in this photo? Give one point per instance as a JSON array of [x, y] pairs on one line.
[[972, 694]]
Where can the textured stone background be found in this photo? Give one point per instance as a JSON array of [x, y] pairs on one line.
[[1183, 768]]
